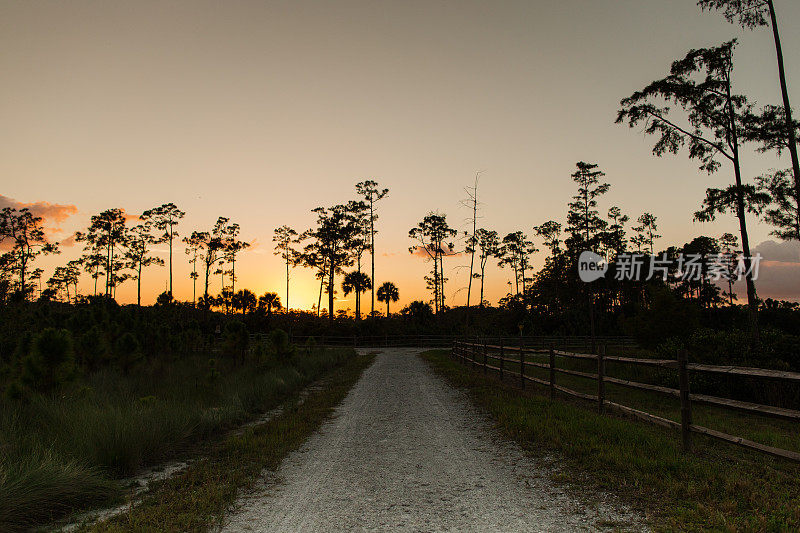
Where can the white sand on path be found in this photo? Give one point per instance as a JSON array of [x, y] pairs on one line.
[[406, 451]]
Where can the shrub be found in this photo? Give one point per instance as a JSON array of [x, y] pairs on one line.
[[93, 348], [668, 316], [51, 360], [128, 352], [280, 341], [235, 340]]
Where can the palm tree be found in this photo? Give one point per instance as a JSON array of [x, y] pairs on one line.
[[268, 301], [244, 300], [388, 293], [357, 282]]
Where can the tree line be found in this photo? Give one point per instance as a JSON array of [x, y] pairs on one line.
[[692, 109]]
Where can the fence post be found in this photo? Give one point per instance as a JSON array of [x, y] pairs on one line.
[[601, 386], [552, 373], [686, 405], [521, 362], [485, 369], [502, 356]]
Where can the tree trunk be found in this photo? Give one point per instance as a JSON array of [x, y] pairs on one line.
[[483, 270], [441, 280], [331, 288], [139, 286], [170, 259], [287, 281], [205, 291], [752, 300], [787, 107], [319, 299], [372, 253]]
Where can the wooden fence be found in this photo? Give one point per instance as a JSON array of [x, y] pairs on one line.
[[446, 341], [477, 354]]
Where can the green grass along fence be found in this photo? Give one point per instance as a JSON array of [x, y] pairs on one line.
[[511, 363]]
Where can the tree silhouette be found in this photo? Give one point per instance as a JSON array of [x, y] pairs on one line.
[[25, 233], [371, 193], [515, 250], [65, 277], [269, 301], [245, 301], [550, 277], [388, 293], [356, 282], [583, 219], [472, 203], [232, 247], [418, 311], [137, 247], [751, 14], [784, 211], [36, 275], [728, 244], [331, 240], [360, 243], [312, 258], [284, 237], [210, 243], [107, 232], [193, 248], [614, 240], [165, 218], [646, 232], [715, 129], [487, 243], [432, 233]]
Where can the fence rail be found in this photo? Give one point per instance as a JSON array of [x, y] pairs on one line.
[[479, 354], [446, 341]]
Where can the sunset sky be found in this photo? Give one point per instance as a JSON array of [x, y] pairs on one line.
[[261, 111]]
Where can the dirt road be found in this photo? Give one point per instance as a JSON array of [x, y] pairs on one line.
[[406, 451]]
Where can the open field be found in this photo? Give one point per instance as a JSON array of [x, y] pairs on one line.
[[719, 487]]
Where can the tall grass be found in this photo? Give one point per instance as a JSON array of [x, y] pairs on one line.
[[66, 450]]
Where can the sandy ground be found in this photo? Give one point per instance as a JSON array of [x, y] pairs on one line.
[[406, 451]]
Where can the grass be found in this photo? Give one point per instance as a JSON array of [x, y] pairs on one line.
[[771, 431], [196, 499], [67, 451], [717, 488]]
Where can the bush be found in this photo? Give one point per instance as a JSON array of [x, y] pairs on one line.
[[235, 340], [128, 352], [93, 348], [668, 316], [51, 361], [280, 341]]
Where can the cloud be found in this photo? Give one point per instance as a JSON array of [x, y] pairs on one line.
[[420, 251], [779, 280], [130, 219], [54, 214], [68, 242], [781, 252], [778, 273]]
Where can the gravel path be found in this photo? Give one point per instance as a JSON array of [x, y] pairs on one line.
[[406, 451]]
